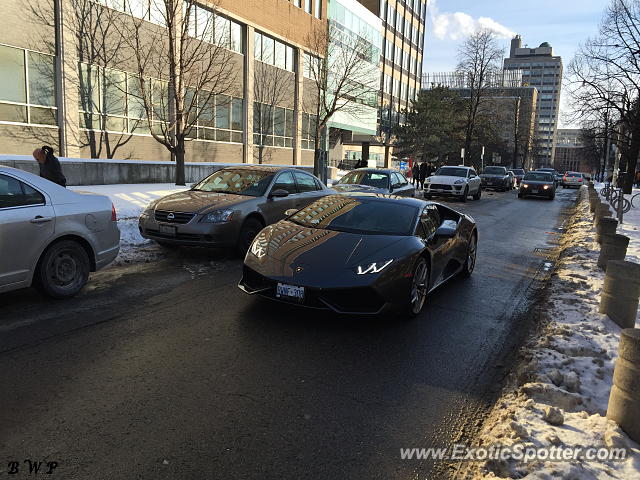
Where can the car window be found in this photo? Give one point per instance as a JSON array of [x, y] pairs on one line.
[[395, 179], [430, 220], [306, 183], [236, 181], [364, 177], [452, 172], [472, 173], [14, 193], [285, 181]]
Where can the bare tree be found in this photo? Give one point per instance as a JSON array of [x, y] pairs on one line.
[[605, 77], [96, 46], [479, 60], [345, 76], [271, 87], [184, 70]]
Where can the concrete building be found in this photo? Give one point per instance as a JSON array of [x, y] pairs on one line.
[[543, 70], [52, 92], [512, 106], [570, 152]]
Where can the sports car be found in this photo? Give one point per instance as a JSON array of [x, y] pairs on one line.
[[361, 253]]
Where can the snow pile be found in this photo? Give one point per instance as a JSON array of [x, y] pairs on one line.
[[130, 200], [559, 393]]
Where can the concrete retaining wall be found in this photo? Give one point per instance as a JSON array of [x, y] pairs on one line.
[[82, 171]]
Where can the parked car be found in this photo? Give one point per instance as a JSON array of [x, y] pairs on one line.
[[52, 237], [375, 180], [497, 178], [538, 183], [458, 182], [557, 176], [573, 179], [512, 180], [361, 254], [518, 173], [229, 207]]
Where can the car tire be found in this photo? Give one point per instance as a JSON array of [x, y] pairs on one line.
[[470, 259], [464, 196], [427, 196], [250, 228], [520, 196], [63, 269], [418, 288], [478, 194], [552, 196]]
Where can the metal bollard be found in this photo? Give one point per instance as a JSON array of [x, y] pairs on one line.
[[606, 226], [624, 400], [620, 292], [612, 247]]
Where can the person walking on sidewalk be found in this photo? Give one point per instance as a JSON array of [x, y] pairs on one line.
[[49, 165], [415, 174], [423, 173]]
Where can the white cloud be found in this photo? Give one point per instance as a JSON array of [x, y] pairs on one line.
[[458, 25]]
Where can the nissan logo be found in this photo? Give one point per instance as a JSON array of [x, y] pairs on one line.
[[170, 216]]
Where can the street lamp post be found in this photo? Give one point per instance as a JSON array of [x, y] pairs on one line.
[[462, 155]]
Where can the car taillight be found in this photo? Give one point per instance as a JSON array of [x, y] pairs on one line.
[[113, 213], [579, 179]]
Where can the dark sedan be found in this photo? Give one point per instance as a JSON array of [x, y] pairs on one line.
[[375, 180], [361, 254], [497, 178], [541, 184], [229, 207]]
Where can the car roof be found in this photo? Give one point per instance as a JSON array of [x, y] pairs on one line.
[[370, 197], [379, 170], [456, 166], [261, 168]]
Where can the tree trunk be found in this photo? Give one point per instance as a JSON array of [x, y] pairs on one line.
[[179, 153], [632, 158]]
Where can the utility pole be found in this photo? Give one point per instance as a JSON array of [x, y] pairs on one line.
[[462, 155], [482, 159], [60, 77]]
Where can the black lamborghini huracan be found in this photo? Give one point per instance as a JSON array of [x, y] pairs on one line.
[[361, 254]]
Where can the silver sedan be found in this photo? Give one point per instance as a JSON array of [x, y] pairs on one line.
[[229, 207], [52, 237]]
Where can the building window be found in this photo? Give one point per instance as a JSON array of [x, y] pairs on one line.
[[307, 6], [311, 67], [210, 27], [27, 86], [273, 126], [308, 131], [273, 52], [317, 11]]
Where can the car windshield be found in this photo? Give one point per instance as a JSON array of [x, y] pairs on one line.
[[363, 177], [237, 181], [495, 171], [518, 171], [344, 213], [574, 174], [539, 176], [452, 172]]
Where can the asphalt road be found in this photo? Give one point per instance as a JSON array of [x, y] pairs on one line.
[[168, 371]]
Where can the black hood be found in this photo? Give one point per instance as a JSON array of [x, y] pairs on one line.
[[285, 249]]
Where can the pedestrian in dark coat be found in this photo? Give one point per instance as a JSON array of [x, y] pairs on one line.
[[423, 173], [49, 165], [415, 172]]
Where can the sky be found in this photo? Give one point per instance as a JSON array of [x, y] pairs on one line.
[[563, 23]]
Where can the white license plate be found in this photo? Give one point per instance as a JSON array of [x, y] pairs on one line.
[[535, 190], [167, 229], [290, 291]]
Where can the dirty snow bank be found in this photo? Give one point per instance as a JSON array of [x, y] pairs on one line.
[[130, 200], [559, 393]]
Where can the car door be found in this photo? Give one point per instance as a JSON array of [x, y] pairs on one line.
[[474, 181], [28, 223], [276, 206], [401, 185], [308, 189], [430, 220]]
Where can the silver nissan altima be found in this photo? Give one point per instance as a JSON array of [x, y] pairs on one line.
[[50, 236], [230, 206]]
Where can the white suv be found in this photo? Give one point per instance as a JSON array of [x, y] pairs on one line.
[[459, 182]]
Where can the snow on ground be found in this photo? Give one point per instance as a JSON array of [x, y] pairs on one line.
[[559, 393], [130, 200]]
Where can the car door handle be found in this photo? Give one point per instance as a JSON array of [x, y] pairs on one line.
[[40, 219]]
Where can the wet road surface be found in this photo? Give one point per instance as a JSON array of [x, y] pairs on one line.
[[168, 371]]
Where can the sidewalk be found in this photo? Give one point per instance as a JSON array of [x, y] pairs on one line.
[[558, 394], [130, 200]]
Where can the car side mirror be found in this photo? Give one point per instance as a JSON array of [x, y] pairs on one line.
[[445, 231], [279, 193], [290, 211]]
